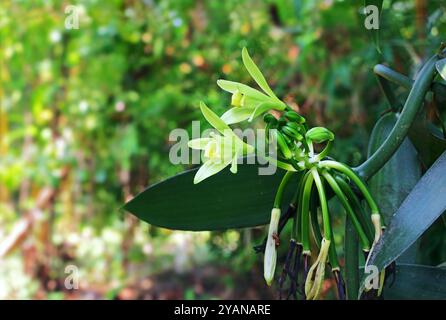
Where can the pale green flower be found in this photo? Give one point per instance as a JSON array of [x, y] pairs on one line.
[[220, 150], [248, 102]]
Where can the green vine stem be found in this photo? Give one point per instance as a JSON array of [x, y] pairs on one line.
[[314, 204], [283, 184], [394, 103], [297, 221], [323, 202], [393, 76], [357, 207], [401, 128], [305, 219]]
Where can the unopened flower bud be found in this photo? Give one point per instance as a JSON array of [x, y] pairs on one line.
[[376, 220], [269, 265], [319, 135]]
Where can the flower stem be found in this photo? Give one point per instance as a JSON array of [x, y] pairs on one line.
[[344, 201], [305, 227], [357, 207], [283, 184], [297, 221], [352, 175], [314, 218], [393, 76], [325, 152], [323, 202]]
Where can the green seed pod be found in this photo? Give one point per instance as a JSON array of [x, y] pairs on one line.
[[319, 135], [294, 116]]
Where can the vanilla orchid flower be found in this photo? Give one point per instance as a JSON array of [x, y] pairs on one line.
[[220, 149], [249, 103]]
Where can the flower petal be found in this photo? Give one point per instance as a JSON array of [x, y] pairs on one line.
[[199, 144], [213, 119], [236, 115], [231, 86], [262, 108], [208, 169], [256, 74]]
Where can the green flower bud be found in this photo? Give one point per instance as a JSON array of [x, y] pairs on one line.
[[269, 118], [319, 135], [292, 133], [294, 116]]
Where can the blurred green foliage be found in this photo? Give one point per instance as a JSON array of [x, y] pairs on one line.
[[86, 114]]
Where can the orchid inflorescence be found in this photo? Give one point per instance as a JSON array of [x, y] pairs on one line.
[[296, 153]]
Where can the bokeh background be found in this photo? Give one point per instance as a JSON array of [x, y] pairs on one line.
[[85, 116]]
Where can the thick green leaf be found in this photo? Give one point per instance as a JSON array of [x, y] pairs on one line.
[[419, 210], [220, 202], [256, 74], [427, 139], [417, 282], [441, 68], [388, 191]]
